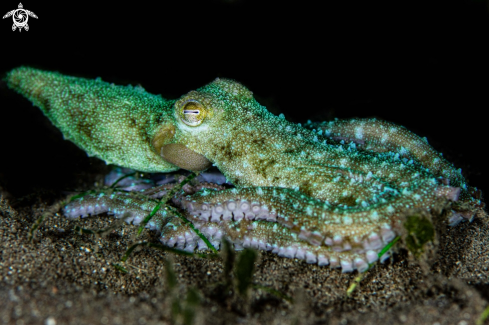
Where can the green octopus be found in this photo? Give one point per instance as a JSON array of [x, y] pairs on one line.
[[329, 193]]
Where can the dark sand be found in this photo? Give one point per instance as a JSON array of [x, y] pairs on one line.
[[67, 278]]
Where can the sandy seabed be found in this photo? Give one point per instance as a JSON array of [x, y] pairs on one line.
[[64, 277]]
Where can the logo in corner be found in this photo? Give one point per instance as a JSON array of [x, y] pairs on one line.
[[20, 17]]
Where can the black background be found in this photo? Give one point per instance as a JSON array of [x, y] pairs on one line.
[[421, 64]]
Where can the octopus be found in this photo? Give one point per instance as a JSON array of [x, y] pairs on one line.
[[331, 193]]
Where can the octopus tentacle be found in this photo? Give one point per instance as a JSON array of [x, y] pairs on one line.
[[122, 205], [277, 239], [383, 136], [311, 219], [246, 230], [134, 206]]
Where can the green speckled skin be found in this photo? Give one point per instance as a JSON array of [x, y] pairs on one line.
[[111, 122]]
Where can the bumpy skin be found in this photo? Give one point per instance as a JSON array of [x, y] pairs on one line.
[[111, 122], [332, 193]]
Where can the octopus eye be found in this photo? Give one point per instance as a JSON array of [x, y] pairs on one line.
[[193, 113]]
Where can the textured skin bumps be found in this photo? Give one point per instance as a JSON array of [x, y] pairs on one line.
[[110, 122]]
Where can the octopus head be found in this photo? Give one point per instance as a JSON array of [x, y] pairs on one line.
[[204, 122], [211, 106]]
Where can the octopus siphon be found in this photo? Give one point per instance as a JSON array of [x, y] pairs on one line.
[[332, 193]]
